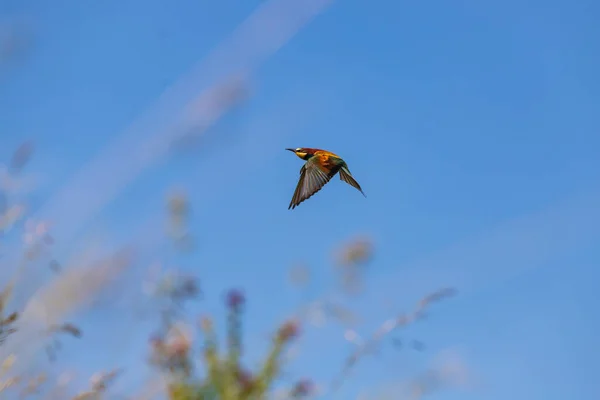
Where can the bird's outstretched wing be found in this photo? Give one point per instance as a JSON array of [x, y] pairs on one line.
[[346, 176], [312, 179]]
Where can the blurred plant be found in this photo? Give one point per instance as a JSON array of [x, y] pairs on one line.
[[320, 311], [225, 378], [351, 261], [99, 384], [6, 321], [178, 218], [219, 373], [172, 290], [357, 252], [55, 345], [402, 320], [12, 211]]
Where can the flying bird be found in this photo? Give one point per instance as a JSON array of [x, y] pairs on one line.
[[319, 168]]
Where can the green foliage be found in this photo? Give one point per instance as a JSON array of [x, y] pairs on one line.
[[225, 377]]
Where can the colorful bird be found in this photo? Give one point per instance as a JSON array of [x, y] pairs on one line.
[[319, 168]]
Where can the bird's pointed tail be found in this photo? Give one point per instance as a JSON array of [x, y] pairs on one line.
[[346, 176]]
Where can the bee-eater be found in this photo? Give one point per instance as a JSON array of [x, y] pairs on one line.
[[319, 168]]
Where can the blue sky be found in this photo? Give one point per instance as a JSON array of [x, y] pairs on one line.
[[472, 128]]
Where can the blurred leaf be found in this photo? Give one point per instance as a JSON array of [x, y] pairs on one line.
[[356, 252], [21, 156], [11, 318], [70, 329], [5, 295]]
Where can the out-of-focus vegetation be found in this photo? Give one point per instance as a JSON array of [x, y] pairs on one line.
[[214, 369], [190, 360]]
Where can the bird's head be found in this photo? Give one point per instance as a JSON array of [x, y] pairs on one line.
[[302, 152]]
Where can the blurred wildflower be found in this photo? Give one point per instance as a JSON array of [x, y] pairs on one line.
[[171, 352], [357, 252], [351, 260], [302, 389], [436, 296], [288, 331], [173, 290], [99, 383], [272, 366], [178, 219], [179, 207], [235, 300], [246, 381], [206, 323]]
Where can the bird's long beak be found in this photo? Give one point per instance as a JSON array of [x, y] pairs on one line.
[[292, 150]]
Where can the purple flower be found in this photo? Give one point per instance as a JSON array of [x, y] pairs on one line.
[[289, 330], [235, 299]]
